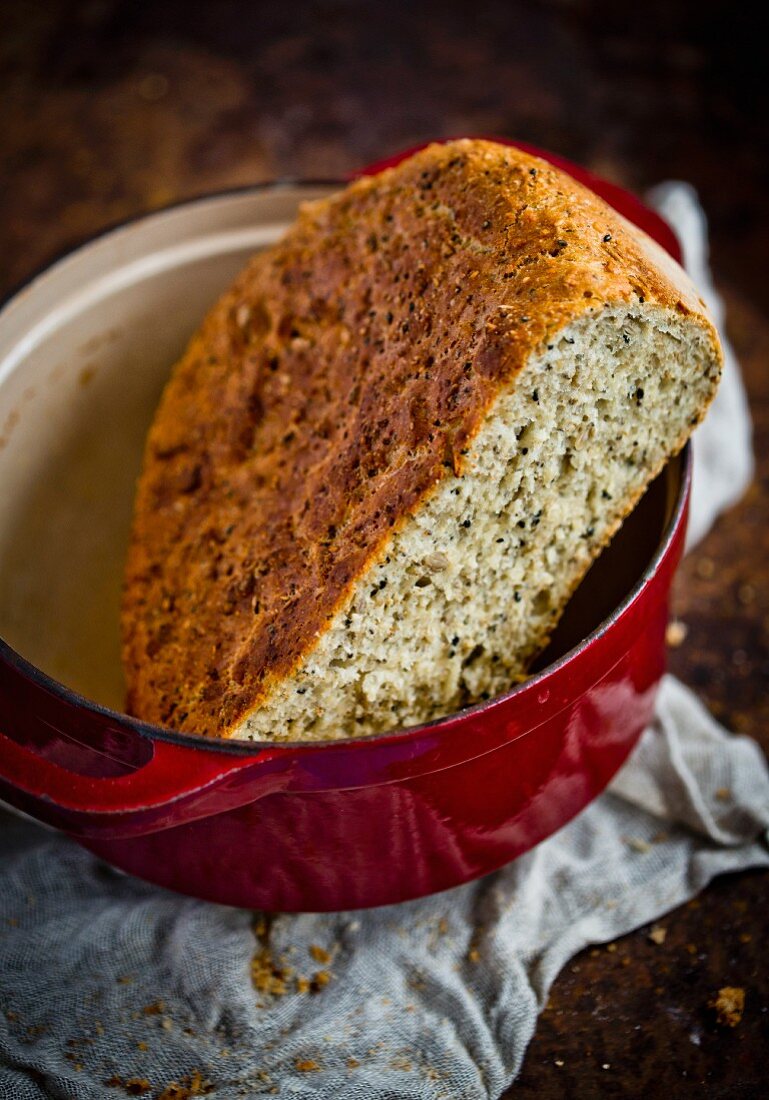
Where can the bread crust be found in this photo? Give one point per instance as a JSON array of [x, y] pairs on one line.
[[328, 393]]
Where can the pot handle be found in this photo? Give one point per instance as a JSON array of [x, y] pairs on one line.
[[624, 202], [176, 785]]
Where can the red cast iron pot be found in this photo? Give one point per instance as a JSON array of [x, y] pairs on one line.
[[352, 823]]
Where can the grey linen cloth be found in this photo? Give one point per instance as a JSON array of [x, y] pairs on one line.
[[109, 985]]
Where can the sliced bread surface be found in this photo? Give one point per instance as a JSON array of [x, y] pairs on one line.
[[396, 445]]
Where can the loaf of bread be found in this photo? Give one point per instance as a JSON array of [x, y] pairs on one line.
[[395, 446]]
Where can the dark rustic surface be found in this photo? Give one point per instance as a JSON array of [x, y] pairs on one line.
[[112, 108]]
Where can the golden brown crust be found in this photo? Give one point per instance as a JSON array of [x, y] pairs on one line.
[[329, 391]]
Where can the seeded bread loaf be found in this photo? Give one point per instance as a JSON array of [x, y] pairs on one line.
[[395, 446]]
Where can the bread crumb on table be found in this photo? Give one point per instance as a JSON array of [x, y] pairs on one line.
[[729, 1005], [658, 935], [676, 632], [746, 594], [705, 568]]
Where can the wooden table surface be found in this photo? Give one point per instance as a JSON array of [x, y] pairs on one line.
[[113, 107]]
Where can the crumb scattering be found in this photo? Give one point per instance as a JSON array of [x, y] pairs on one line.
[[658, 935], [729, 1005], [275, 977], [195, 1084], [307, 1065], [321, 979]]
